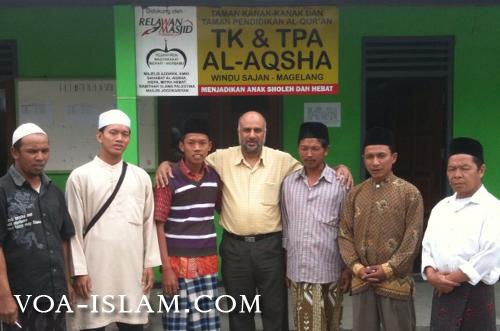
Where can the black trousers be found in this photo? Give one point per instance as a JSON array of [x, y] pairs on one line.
[[466, 308], [248, 267], [33, 320]]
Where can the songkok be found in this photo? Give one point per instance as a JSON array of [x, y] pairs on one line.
[[25, 129], [464, 145], [113, 116], [379, 136], [313, 130], [195, 125]]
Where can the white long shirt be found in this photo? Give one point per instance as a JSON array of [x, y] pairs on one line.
[[120, 245], [465, 235]]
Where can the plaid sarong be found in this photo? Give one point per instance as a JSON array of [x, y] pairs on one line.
[[188, 318]]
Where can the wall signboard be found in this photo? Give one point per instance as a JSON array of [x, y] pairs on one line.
[[237, 50], [166, 54]]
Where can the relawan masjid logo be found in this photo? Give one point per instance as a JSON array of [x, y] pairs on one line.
[[166, 26]]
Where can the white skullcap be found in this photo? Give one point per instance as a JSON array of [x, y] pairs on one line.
[[25, 129], [113, 116]]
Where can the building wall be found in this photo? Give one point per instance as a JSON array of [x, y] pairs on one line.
[[476, 100], [61, 43], [78, 42]]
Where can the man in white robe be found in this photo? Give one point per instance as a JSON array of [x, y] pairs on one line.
[[114, 260]]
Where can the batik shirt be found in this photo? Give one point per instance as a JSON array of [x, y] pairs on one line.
[[382, 224]]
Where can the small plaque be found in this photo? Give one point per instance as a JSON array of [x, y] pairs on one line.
[[327, 113]]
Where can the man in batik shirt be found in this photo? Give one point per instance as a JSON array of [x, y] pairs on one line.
[[380, 235]]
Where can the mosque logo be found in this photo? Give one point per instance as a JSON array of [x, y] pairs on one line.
[[166, 56]]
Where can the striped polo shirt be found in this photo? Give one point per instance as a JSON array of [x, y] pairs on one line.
[[190, 229]]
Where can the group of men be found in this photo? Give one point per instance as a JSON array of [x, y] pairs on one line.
[[102, 235], [285, 224]]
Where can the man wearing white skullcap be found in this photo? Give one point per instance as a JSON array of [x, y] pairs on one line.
[[113, 116], [114, 255], [35, 229], [24, 130]]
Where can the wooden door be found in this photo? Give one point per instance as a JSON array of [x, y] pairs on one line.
[[415, 110], [421, 137]]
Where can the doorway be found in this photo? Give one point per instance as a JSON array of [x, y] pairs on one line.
[[222, 114], [7, 123], [8, 72], [415, 111], [407, 88]]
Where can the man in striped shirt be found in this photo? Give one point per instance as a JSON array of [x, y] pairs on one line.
[[311, 200], [184, 214]]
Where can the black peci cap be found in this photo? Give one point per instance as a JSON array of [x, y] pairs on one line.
[[464, 145], [195, 125], [379, 136], [313, 130]]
